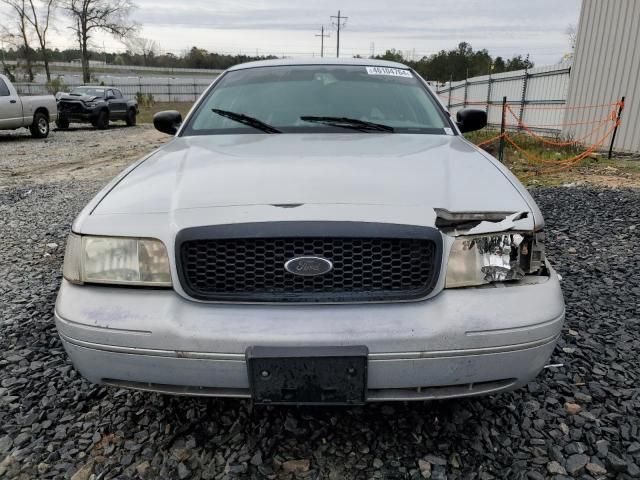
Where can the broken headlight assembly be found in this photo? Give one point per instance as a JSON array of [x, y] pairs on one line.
[[116, 261], [497, 257]]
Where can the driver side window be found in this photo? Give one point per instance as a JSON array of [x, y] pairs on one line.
[[4, 89]]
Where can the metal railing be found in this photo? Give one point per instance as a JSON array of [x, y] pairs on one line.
[[186, 90]]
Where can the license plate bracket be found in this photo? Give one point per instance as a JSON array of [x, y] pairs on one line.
[[309, 375]]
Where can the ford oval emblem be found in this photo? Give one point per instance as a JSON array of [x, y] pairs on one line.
[[308, 266]]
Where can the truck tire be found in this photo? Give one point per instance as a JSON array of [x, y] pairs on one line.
[[62, 123], [131, 118], [40, 126], [102, 121]]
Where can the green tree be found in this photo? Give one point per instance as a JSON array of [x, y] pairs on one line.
[[518, 63], [459, 63], [498, 65], [392, 55]]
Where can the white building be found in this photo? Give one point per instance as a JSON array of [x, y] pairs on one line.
[[606, 67]]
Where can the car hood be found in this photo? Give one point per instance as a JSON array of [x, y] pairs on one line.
[[397, 171], [82, 98]]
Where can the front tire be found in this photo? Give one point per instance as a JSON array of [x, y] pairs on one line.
[[102, 121], [40, 126], [62, 123], [131, 118]]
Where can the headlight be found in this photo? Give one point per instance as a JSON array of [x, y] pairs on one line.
[[116, 260], [477, 260]]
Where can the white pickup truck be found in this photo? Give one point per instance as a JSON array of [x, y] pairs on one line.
[[35, 112]]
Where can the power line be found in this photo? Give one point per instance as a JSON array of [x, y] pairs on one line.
[[338, 24], [322, 37]]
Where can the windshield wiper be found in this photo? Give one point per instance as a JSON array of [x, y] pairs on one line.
[[246, 120], [346, 122]]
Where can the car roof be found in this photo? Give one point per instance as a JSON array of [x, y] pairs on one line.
[[370, 62], [106, 87]]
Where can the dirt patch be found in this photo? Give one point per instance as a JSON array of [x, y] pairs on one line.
[[76, 154], [609, 181], [614, 173]]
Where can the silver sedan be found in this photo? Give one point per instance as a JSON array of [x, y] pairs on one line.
[[317, 232]]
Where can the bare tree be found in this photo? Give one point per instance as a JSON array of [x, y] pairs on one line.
[[40, 18], [87, 16], [6, 68], [143, 46], [20, 34]]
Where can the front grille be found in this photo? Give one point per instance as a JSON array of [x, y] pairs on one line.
[[70, 107], [364, 269]]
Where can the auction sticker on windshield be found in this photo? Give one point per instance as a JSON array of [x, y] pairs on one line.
[[394, 72]]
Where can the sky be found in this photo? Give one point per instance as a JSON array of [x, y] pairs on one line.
[[289, 27]]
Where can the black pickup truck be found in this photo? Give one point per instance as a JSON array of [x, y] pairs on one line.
[[96, 105]]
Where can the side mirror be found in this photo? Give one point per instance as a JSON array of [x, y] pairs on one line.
[[110, 97], [471, 119], [168, 121]]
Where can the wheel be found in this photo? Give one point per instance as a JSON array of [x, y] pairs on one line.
[[102, 121], [62, 123], [40, 126], [131, 118]]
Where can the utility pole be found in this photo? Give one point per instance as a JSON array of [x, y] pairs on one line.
[[322, 37], [339, 23]]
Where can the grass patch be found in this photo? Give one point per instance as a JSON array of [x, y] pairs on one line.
[[146, 113]]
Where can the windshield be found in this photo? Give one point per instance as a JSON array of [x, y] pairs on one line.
[[318, 98], [91, 91]]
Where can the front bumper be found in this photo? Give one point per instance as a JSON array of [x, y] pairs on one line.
[[79, 116], [459, 343]]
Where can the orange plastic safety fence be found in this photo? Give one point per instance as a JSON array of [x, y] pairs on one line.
[[558, 143], [563, 124], [553, 166], [491, 140], [571, 107], [543, 161], [568, 162]]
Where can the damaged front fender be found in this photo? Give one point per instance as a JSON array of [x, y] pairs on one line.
[[491, 247], [455, 224]]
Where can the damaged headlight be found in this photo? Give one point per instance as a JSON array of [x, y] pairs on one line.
[[116, 260], [498, 257]]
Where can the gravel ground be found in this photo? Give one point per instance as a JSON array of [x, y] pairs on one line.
[[577, 421]]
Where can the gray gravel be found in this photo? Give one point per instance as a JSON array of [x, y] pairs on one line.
[[579, 421]]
